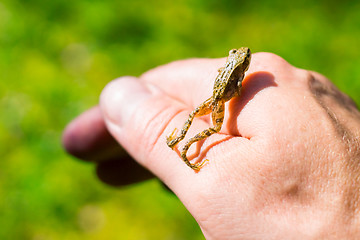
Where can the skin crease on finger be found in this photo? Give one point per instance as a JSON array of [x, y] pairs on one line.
[[294, 177]]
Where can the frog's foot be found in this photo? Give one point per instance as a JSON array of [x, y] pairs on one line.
[[197, 166], [171, 140]]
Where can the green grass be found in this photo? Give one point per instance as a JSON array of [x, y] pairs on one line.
[[55, 58]]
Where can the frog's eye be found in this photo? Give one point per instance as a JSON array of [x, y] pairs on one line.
[[232, 51]]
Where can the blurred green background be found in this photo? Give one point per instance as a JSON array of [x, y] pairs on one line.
[[55, 58]]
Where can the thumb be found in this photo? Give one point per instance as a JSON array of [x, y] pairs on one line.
[[138, 115]]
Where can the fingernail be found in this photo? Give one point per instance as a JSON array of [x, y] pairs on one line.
[[120, 98]]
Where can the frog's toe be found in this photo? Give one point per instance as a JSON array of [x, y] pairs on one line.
[[198, 166], [171, 143], [174, 133], [170, 140]]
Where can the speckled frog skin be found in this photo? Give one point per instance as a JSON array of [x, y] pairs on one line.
[[227, 85]]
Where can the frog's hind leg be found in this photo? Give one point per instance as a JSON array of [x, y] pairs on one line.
[[203, 109], [217, 119]]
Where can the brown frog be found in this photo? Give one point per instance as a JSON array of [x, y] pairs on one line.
[[227, 85]]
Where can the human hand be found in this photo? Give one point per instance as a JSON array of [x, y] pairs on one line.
[[284, 166]]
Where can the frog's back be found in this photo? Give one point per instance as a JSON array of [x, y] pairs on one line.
[[231, 75], [221, 81]]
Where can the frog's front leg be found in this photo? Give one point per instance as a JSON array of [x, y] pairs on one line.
[[203, 109], [217, 119]]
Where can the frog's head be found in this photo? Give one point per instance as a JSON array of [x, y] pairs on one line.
[[241, 57]]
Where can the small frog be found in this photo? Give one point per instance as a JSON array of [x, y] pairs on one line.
[[227, 85]]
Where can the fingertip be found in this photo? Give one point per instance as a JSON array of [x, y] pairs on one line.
[[69, 138], [79, 134], [119, 97], [87, 138]]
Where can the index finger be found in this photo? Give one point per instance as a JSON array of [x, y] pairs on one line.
[[191, 81], [188, 81]]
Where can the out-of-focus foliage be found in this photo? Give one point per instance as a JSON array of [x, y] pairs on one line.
[[56, 56]]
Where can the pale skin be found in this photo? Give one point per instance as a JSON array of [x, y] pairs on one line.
[[285, 164]]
